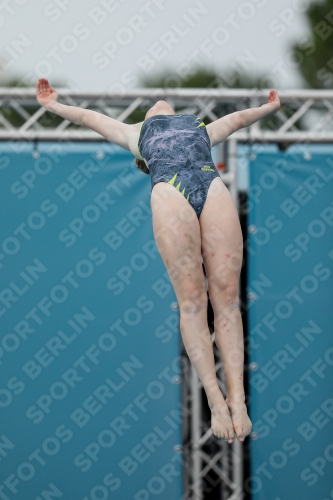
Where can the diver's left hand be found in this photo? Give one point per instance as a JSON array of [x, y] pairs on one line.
[[274, 100]]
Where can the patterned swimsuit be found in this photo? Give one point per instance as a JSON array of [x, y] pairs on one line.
[[177, 150]]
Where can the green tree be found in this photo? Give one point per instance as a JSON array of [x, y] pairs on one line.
[[202, 77], [315, 53]]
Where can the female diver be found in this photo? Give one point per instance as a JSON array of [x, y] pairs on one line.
[[196, 220]]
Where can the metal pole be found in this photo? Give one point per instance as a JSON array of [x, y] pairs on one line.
[[195, 432], [237, 469], [222, 94], [226, 469]]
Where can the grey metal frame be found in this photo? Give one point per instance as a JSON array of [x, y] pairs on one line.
[[211, 103]]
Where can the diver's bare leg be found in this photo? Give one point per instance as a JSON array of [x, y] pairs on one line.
[[222, 251], [177, 234]]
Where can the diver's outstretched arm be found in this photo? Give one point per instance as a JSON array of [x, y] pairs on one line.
[[223, 127], [113, 130]]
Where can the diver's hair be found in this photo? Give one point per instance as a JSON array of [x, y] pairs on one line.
[[141, 165]]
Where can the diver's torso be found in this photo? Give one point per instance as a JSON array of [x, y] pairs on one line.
[[169, 141]]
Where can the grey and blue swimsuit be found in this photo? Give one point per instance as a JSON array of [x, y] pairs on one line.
[[177, 150]]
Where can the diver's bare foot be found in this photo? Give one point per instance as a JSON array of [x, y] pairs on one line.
[[221, 423], [240, 420]]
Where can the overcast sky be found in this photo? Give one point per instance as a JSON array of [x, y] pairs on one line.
[[111, 44]]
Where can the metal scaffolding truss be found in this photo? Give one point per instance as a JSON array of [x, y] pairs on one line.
[[209, 103], [306, 116]]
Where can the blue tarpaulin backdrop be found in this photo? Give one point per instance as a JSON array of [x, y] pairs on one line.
[[90, 345], [290, 290]]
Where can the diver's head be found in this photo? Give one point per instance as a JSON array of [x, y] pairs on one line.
[[160, 108]]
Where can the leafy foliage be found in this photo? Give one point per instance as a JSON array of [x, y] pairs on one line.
[[314, 53], [202, 77]]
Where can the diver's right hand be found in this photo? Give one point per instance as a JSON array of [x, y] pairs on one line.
[[45, 95]]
